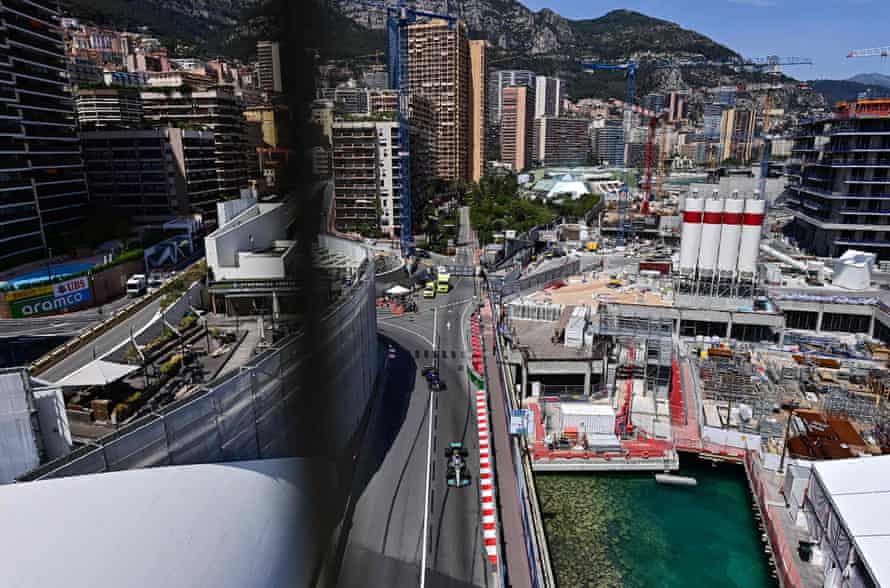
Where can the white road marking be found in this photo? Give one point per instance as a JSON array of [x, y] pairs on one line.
[[429, 459]]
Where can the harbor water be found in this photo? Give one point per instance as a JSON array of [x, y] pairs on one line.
[[627, 530]]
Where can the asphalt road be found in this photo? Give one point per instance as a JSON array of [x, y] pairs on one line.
[[386, 535], [101, 345]]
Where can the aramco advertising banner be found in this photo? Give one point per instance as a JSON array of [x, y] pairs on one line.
[[49, 299]]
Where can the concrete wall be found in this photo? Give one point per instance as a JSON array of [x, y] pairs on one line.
[[110, 284]]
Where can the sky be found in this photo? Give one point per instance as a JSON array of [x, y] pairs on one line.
[[823, 30]]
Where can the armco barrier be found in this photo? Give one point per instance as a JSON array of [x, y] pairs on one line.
[[249, 413]]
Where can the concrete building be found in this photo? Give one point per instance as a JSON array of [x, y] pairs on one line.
[[252, 243], [501, 79], [439, 68], [838, 180], [348, 99], [549, 94], [561, 141], [41, 169], [178, 79], [517, 127], [677, 105], [478, 104], [152, 175], [737, 134], [610, 141], [111, 108], [218, 111], [367, 173], [269, 70], [713, 116], [33, 424], [654, 102]]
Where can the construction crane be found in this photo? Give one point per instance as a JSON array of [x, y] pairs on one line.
[[881, 52], [398, 17]]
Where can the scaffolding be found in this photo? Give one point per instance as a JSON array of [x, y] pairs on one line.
[[617, 324], [734, 381]]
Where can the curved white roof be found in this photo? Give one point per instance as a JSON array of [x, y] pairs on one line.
[[240, 524]]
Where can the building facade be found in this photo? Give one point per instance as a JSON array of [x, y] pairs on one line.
[[549, 94], [610, 142], [501, 79], [737, 134], [439, 69], [839, 181], [151, 175], [218, 111], [269, 70], [43, 192], [517, 127], [355, 167], [112, 108], [713, 116], [561, 141], [478, 104]]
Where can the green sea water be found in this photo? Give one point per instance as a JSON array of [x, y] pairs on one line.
[[626, 530]]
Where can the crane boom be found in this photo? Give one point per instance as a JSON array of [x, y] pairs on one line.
[[881, 52]]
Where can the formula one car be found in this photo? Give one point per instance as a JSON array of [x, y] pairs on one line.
[[457, 474]]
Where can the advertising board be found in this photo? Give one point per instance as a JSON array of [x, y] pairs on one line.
[[49, 299]]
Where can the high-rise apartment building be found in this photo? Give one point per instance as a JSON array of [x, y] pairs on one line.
[[439, 69], [610, 142], [549, 94], [269, 70], [713, 114], [561, 141], [217, 110], [354, 167], [737, 134], [677, 105], [501, 79], [517, 127], [110, 108], [43, 192], [478, 104], [151, 175], [655, 102], [838, 181]]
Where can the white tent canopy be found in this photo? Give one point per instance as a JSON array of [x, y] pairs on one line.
[[398, 290], [97, 373]]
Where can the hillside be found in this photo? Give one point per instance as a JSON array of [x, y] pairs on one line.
[[871, 79], [838, 90], [543, 41]]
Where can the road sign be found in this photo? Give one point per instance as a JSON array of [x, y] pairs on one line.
[[519, 421]]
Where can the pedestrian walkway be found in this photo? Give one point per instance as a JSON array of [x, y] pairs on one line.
[[512, 536]]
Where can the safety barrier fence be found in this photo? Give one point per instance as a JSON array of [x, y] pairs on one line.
[[503, 289], [784, 558]]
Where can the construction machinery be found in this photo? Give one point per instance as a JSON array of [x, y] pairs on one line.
[[399, 17], [881, 52]]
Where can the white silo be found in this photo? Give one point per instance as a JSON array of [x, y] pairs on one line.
[[751, 227], [730, 234], [690, 238], [712, 221]]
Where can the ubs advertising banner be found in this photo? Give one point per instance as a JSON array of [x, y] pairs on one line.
[[50, 299]]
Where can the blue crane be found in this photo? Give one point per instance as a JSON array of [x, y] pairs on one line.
[[398, 17]]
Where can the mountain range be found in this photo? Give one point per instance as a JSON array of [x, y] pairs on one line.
[[871, 79]]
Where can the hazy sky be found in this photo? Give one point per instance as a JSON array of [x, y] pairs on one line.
[[824, 30]]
